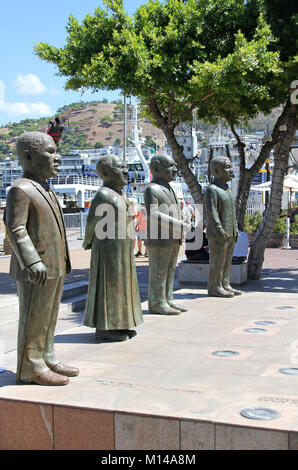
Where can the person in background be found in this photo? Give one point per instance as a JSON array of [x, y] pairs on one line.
[[185, 212], [133, 214], [192, 214], [294, 213], [241, 248], [200, 254], [55, 130], [141, 226]]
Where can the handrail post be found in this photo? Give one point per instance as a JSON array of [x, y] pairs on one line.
[[81, 225]]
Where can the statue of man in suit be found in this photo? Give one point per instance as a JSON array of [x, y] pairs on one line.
[[164, 234], [39, 261], [222, 232]]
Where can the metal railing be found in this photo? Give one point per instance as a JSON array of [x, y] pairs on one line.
[[253, 207], [86, 180], [77, 220]]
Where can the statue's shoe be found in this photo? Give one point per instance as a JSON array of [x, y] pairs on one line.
[[130, 333], [50, 378], [63, 369], [231, 289], [220, 293], [177, 306], [164, 310], [112, 335]]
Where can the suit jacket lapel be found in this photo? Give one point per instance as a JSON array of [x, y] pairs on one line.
[[169, 195], [62, 222], [47, 197]]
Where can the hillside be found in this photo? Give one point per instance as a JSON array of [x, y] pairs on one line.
[[97, 123], [88, 125]]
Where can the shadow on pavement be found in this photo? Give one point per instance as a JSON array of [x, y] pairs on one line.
[[275, 281]]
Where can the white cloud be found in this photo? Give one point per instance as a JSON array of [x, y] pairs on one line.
[[29, 84], [22, 109]]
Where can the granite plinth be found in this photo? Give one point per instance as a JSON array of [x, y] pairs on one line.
[[194, 272]]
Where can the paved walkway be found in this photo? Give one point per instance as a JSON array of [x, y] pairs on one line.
[[165, 387]]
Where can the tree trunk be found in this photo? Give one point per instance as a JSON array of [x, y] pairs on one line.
[[281, 158], [178, 155], [244, 185], [182, 163], [247, 174]]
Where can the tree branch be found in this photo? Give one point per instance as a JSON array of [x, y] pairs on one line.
[[241, 146], [277, 134], [211, 93]]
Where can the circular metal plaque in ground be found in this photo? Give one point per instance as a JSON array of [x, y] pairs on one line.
[[255, 330], [284, 307], [225, 353], [265, 322], [289, 371], [259, 413]]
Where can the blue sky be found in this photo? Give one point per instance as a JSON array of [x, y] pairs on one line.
[[29, 87]]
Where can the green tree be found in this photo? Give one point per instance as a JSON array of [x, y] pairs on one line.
[[150, 142], [98, 145], [106, 120], [177, 57], [216, 58]]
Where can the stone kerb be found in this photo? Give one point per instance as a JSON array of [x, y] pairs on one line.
[[194, 272]]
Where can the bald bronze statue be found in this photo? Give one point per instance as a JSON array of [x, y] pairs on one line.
[[113, 304], [165, 229], [222, 232], [40, 260]]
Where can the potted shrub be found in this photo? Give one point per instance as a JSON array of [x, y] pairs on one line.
[[277, 240]]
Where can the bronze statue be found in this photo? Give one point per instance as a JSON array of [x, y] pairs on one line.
[[113, 302], [222, 231], [55, 130], [164, 234], [40, 260]]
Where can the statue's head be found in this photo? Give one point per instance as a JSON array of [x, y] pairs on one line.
[[163, 167], [37, 154], [112, 170], [222, 169]]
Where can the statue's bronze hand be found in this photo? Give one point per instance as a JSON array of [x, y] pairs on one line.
[[223, 234], [38, 273]]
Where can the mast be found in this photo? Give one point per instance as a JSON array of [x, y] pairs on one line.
[[124, 128], [135, 133]]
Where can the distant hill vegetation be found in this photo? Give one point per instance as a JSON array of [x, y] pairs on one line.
[[90, 124], [94, 124]]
